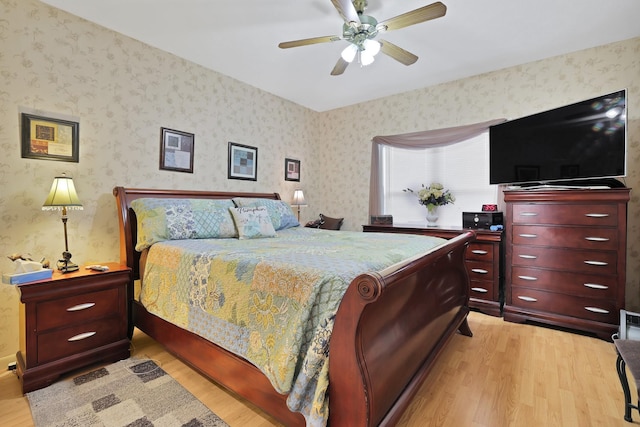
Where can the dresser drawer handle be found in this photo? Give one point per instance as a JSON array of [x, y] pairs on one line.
[[479, 252], [479, 270], [530, 278], [596, 239], [81, 336], [481, 290], [596, 215], [597, 310], [528, 256], [595, 286], [598, 263], [528, 236], [528, 299], [81, 306], [529, 214]]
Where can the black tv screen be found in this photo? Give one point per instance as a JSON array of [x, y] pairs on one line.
[[582, 141]]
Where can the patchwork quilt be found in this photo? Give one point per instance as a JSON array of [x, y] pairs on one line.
[[272, 300]]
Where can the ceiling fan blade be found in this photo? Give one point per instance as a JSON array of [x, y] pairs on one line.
[[305, 42], [347, 10], [398, 53], [426, 13], [341, 65]]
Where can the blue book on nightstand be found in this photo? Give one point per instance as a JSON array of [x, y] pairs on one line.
[[32, 276]]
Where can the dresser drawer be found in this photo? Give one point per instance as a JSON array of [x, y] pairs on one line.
[[480, 252], [566, 237], [599, 310], [78, 338], [588, 285], [482, 289], [570, 214], [582, 261], [478, 270], [75, 309]]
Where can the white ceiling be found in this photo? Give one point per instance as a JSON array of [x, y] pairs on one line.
[[240, 39]]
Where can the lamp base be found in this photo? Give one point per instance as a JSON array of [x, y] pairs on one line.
[[65, 265]]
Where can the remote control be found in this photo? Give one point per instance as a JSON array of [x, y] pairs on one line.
[[97, 267]]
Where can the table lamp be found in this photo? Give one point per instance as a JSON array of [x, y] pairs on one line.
[[63, 196], [298, 200]]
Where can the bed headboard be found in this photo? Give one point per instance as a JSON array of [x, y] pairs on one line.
[[127, 217]]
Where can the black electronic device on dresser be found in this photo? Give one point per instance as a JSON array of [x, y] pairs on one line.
[[482, 220]]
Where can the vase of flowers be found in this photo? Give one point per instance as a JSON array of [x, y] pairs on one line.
[[432, 197]]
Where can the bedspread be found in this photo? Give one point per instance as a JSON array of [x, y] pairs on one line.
[[271, 300]]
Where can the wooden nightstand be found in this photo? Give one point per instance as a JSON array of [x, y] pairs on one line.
[[70, 321]]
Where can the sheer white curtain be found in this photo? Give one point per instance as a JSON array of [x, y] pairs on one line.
[[415, 141]]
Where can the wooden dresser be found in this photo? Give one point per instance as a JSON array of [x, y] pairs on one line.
[[70, 321], [483, 258], [566, 258]]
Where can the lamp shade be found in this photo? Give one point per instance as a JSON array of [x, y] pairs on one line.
[[62, 195], [298, 198]]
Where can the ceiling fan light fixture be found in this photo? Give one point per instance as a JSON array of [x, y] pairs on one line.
[[372, 47], [349, 52], [366, 58]]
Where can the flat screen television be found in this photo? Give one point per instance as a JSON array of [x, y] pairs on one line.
[[575, 145]]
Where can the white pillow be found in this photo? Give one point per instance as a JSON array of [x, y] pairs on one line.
[[253, 222]]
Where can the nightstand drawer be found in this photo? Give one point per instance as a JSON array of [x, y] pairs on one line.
[[76, 339], [481, 289], [480, 252], [78, 308], [479, 270]]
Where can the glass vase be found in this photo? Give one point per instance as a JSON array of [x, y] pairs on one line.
[[432, 215]]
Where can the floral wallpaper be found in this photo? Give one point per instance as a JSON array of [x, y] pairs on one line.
[[122, 92]]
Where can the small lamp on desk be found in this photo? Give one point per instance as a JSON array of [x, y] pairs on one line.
[[298, 201], [63, 196]]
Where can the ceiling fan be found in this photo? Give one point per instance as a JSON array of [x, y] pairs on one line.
[[360, 31]]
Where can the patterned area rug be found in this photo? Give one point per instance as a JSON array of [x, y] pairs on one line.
[[132, 392]]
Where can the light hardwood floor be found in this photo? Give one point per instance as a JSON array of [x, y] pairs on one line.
[[505, 375]]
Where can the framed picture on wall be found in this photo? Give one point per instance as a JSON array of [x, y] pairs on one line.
[[176, 150], [50, 139], [243, 162], [291, 170]]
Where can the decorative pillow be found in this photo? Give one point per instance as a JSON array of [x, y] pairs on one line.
[[253, 222], [329, 223], [280, 212], [176, 219]]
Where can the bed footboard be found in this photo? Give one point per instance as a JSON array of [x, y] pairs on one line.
[[389, 329]]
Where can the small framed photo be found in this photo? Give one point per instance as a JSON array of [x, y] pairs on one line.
[[50, 139], [291, 170], [176, 150], [243, 162]]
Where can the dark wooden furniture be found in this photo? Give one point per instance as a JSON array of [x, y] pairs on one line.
[[566, 258], [70, 321], [628, 355], [388, 331], [484, 261]]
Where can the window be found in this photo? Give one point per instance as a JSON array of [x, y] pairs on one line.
[[462, 168]]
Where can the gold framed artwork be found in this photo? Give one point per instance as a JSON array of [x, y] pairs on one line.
[[176, 150], [50, 139]]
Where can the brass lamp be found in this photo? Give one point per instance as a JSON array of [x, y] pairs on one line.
[[298, 200], [63, 196]]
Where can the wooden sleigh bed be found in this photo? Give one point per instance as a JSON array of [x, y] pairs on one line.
[[389, 328]]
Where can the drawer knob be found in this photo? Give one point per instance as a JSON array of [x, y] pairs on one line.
[[597, 310], [479, 252], [528, 299], [479, 270], [530, 278], [81, 306], [598, 263], [528, 236], [596, 239], [81, 336], [596, 215], [529, 214], [595, 286], [528, 256], [481, 290]]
